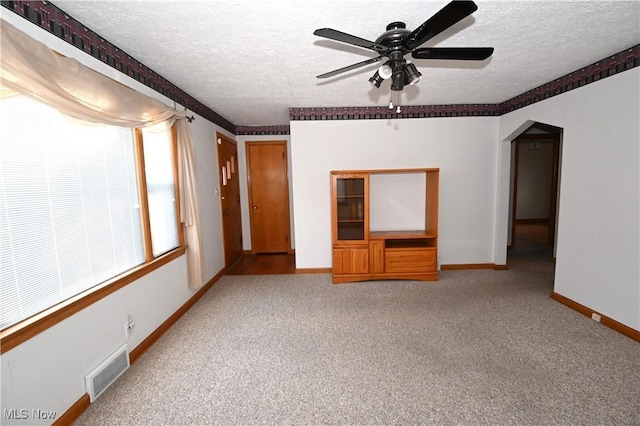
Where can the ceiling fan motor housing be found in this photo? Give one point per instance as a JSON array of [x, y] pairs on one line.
[[393, 37]]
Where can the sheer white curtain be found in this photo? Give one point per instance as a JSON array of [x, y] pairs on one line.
[[32, 69]]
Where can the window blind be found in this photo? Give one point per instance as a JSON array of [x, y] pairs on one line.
[[69, 209]]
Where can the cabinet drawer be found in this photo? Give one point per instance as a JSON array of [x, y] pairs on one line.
[[410, 260]]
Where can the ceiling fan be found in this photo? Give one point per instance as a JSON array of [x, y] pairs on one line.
[[397, 41]]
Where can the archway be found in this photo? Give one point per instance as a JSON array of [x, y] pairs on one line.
[[534, 188]]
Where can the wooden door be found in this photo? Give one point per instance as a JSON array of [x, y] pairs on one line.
[[229, 198], [268, 187], [351, 260]]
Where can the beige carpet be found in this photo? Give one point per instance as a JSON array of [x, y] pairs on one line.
[[476, 347]]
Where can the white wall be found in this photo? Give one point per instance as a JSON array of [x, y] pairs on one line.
[[244, 194], [47, 372], [397, 202], [464, 148], [598, 246]]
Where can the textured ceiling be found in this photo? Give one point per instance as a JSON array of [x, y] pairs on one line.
[[250, 61]]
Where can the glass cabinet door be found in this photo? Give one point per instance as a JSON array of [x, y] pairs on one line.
[[351, 208]]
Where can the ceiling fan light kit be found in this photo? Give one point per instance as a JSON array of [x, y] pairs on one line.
[[397, 41], [385, 71], [397, 80], [413, 75], [376, 79]]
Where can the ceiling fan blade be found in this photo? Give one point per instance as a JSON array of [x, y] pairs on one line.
[[458, 53], [446, 17], [350, 67], [349, 39]]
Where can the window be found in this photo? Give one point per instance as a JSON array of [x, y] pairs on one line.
[[158, 159], [71, 215]]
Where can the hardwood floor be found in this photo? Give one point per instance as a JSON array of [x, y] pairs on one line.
[[528, 236], [533, 234], [264, 264], [531, 242]]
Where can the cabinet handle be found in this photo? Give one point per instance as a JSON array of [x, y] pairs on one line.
[[255, 207]]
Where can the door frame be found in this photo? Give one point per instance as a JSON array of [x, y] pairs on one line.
[[555, 169], [226, 238], [247, 146]]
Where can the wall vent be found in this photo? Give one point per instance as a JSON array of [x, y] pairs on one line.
[[101, 377]]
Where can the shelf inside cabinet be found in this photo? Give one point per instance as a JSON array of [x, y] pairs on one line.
[[351, 209], [388, 235], [410, 243], [352, 230], [350, 186]]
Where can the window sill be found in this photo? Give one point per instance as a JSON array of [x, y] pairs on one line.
[[30, 327]]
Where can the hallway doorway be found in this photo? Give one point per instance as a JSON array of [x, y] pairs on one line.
[[535, 174]]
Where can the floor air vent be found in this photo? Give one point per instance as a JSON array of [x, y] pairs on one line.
[[101, 377]]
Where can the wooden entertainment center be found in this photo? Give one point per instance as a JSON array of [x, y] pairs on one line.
[[360, 254]]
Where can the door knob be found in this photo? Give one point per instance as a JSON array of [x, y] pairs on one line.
[[255, 207]]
